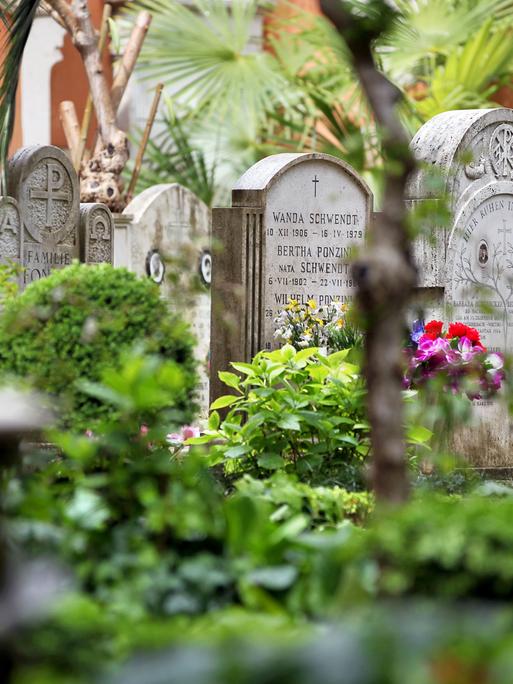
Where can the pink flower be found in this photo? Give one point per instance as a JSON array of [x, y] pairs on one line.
[[466, 349], [189, 431], [428, 349], [174, 438], [144, 430]]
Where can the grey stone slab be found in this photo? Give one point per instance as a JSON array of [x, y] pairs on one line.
[[169, 235], [96, 234], [11, 233], [45, 185], [294, 223], [473, 153]]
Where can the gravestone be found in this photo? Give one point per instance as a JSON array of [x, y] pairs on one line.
[[43, 182], [41, 224], [467, 272], [11, 235], [294, 221], [168, 240], [96, 234]]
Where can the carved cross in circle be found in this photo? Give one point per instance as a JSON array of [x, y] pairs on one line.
[[53, 192], [501, 150]]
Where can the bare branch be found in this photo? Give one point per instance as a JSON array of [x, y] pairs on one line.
[[63, 10]]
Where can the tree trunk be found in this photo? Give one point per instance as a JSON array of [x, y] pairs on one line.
[[101, 175], [385, 273]]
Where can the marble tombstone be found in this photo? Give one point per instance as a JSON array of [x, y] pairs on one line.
[[168, 228], [290, 232], [466, 270], [42, 224]]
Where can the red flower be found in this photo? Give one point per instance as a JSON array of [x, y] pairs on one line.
[[473, 335], [428, 336], [434, 327], [457, 330]]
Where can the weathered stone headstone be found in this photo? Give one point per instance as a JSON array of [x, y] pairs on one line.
[[11, 234], [473, 273], [170, 231], [294, 221], [45, 185], [96, 234]]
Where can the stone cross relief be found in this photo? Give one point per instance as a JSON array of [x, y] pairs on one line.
[[53, 192]]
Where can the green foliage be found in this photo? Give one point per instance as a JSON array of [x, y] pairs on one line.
[[297, 411], [203, 54], [8, 281], [471, 74], [172, 157], [325, 506], [451, 548], [426, 31], [74, 324]]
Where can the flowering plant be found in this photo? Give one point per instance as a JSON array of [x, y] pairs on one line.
[[309, 325], [458, 354]]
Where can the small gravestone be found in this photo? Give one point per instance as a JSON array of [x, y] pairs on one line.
[[294, 221], [169, 241], [473, 278], [96, 234], [45, 185], [11, 234]]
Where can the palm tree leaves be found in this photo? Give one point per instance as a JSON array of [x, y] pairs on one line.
[[471, 74], [205, 57], [427, 29], [173, 157], [17, 16]]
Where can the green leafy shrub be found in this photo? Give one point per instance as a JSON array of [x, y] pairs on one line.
[[458, 547], [297, 411], [75, 323], [325, 506]]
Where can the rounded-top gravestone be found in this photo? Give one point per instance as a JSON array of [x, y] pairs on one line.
[[294, 222], [169, 241], [45, 185], [473, 152]]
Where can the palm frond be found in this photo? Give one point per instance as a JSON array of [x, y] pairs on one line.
[[17, 16], [471, 73], [427, 29], [205, 57]]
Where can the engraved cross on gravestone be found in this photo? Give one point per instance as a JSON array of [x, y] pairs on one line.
[[53, 193], [289, 234], [45, 185]]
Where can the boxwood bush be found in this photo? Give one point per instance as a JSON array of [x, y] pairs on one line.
[[75, 323]]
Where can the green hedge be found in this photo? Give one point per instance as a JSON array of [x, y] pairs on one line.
[[75, 323]]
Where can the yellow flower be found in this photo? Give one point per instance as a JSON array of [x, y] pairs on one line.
[[312, 303], [340, 322], [293, 304]]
